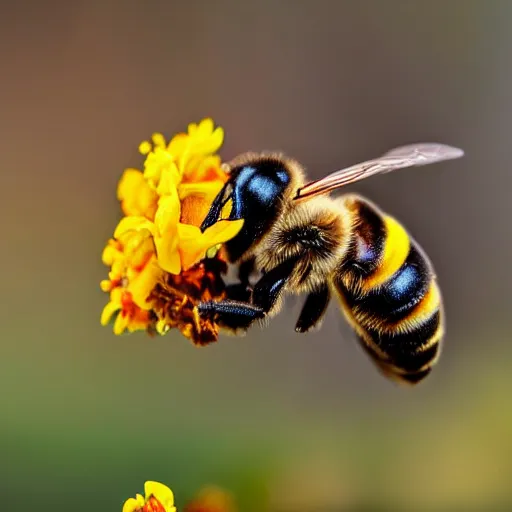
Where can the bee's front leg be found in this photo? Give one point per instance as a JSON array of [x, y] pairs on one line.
[[231, 314], [235, 314], [242, 290]]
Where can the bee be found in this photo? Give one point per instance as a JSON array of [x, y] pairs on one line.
[[303, 241]]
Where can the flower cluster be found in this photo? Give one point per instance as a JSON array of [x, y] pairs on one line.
[[161, 264], [159, 498]]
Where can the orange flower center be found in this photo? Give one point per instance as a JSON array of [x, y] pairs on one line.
[[175, 299], [153, 505]]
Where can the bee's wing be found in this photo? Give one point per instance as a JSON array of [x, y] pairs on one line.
[[404, 156]]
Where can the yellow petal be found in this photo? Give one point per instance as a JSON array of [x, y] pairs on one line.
[[156, 161], [136, 196], [212, 143], [106, 285], [178, 144], [137, 244], [193, 244], [132, 505], [187, 232], [133, 223], [222, 231], [108, 311], [202, 140], [205, 127], [130, 180], [143, 284], [184, 158], [138, 252], [145, 147], [168, 214], [169, 180], [205, 168], [166, 241], [205, 144], [191, 250], [158, 140], [192, 128], [167, 253], [161, 492], [111, 251], [117, 269], [121, 323]]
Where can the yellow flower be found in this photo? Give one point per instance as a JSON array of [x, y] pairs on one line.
[[188, 156], [158, 498], [159, 259], [186, 176]]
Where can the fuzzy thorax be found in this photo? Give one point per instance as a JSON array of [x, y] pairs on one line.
[[316, 232]]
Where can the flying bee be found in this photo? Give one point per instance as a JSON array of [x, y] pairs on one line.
[[303, 241]]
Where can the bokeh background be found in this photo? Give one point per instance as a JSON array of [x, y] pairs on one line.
[[285, 422]]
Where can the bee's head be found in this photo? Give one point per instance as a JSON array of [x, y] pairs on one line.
[[257, 189]]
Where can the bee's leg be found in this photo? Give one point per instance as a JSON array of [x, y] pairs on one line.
[[235, 314], [245, 270], [313, 310], [267, 290], [231, 314], [242, 291]]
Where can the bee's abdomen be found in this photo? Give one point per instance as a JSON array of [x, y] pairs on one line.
[[395, 298], [390, 295]]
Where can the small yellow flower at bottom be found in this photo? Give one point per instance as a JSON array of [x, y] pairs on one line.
[[158, 498]]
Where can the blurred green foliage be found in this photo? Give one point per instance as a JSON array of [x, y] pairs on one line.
[[452, 449]]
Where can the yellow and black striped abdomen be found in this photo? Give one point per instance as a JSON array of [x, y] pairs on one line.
[[389, 294]]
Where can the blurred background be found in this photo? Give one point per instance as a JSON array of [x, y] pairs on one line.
[[285, 422]]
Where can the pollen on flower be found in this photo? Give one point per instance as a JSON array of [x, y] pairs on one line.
[[161, 264], [153, 505], [175, 299]]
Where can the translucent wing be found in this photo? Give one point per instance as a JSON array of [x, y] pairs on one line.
[[412, 155]]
